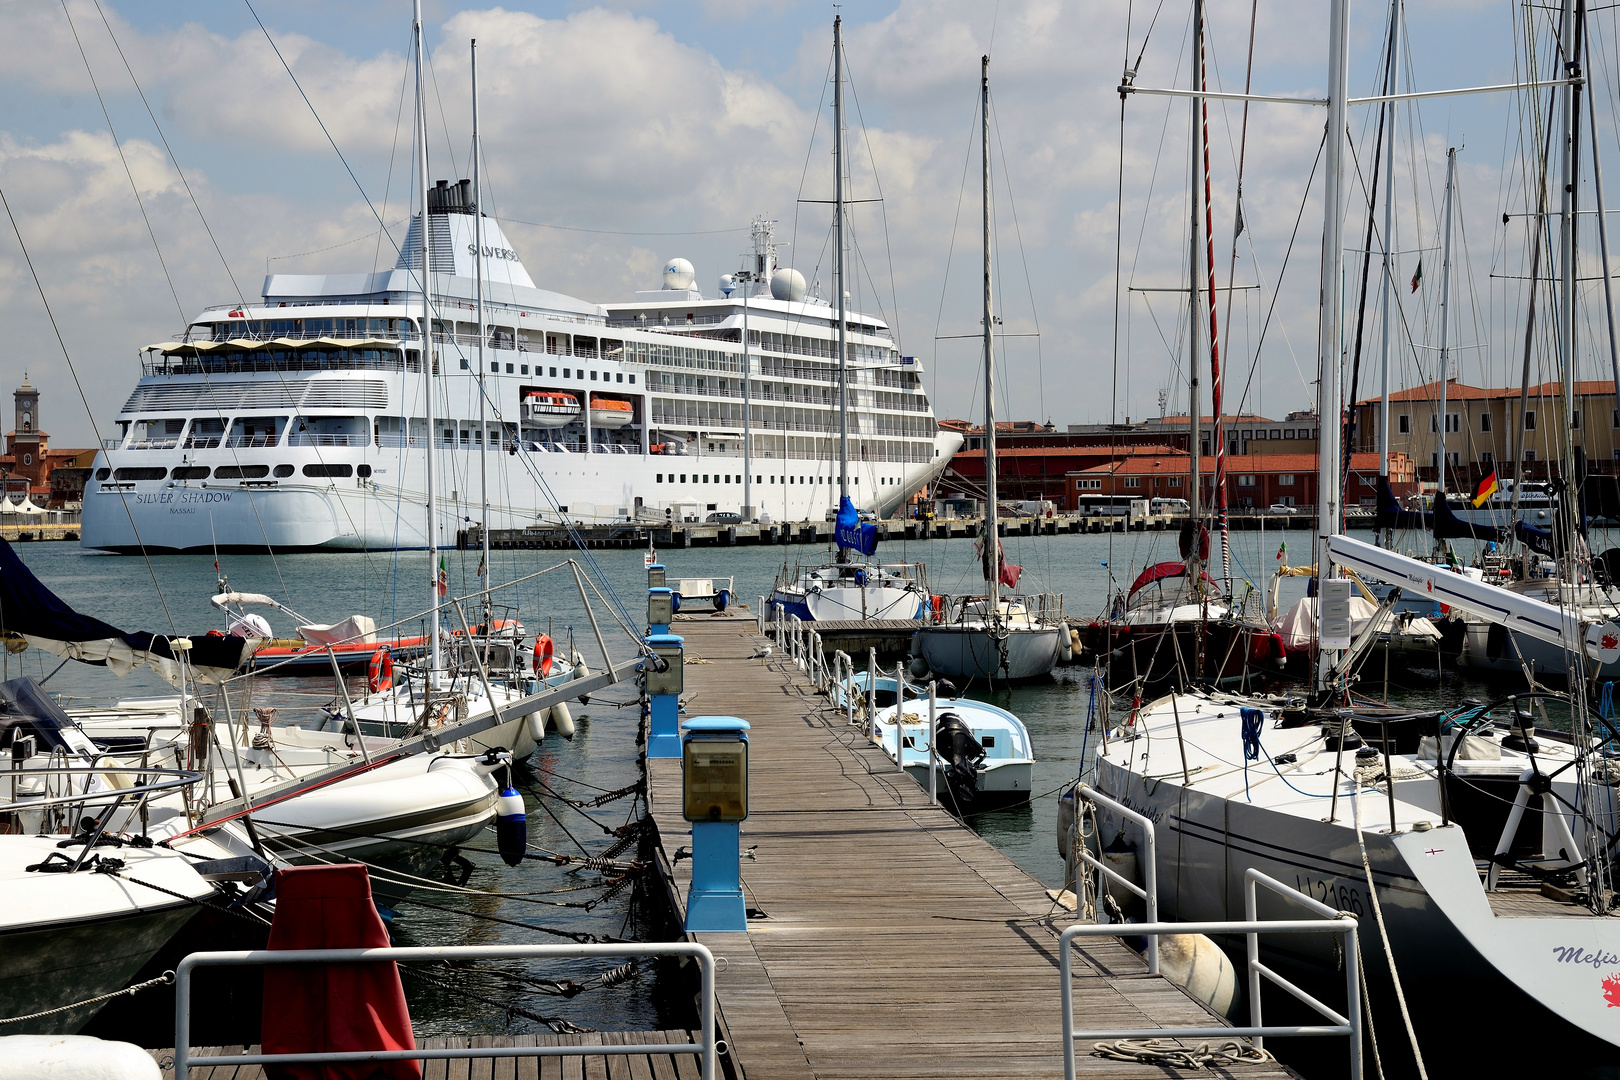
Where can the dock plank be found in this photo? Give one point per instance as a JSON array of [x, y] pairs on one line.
[[892, 941], [618, 1067]]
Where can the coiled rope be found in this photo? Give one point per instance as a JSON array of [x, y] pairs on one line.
[[1166, 1053]]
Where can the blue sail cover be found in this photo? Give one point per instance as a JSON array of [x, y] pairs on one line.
[[852, 533], [1390, 513], [1448, 526], [31, 611]]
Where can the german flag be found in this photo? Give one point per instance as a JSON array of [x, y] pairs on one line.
[[1487, 488]]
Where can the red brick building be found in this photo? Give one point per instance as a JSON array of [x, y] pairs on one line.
[[1253, 481], [30, 467]]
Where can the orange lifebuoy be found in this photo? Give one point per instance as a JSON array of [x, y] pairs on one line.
[[380, 672], [542, 655]]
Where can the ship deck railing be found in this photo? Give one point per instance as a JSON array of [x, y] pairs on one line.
[[308, 438], [1328, 921], [706, 1048]]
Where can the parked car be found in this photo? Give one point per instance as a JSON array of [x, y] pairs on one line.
[[1282, 508], [723, 517]]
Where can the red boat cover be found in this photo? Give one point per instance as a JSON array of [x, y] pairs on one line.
[[1158, 571], [309, 1008]]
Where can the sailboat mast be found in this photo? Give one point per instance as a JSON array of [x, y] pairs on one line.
[[838, 265], [1388, 327], [478, 271], [1445, 316], [1194, 404], [992, 544], [838, 259], [426, 248], [1329, 408], [1570, 30]]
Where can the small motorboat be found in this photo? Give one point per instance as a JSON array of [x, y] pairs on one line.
[[351, 642], [982, 754]]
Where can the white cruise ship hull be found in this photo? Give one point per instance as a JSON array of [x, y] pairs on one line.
[[387, 514], [304, 422]]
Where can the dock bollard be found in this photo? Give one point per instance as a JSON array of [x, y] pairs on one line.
[[714, 798], [664, 694]]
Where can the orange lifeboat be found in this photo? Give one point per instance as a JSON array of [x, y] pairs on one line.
[[610, 412], [549, 409]]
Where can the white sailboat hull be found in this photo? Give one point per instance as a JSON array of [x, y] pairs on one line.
[[1225, 816]]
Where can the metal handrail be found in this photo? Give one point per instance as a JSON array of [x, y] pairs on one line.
[[706, 1049], [1149, 889], [177, 778], [1333, 923]]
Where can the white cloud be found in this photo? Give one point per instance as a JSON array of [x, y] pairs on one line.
[[609, 119]]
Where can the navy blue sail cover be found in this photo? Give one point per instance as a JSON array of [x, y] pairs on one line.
[[1448, 526], [853, 533], [1390, 513], [31, 611]]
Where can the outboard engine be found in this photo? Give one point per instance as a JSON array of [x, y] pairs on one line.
[[963, 758]]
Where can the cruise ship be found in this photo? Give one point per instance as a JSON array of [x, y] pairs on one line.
[[300, 423]]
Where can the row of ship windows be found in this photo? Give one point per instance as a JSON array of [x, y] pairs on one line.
[[728, 478], [230, 472], [567, 373]]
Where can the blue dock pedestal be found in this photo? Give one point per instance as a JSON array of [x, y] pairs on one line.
[[714, 798], [660, 610], [664, 694], [655, 575]]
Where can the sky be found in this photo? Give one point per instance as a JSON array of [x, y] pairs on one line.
[[618, 135]]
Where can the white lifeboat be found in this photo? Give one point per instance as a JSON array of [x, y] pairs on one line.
[[550, 410], [610, 412]]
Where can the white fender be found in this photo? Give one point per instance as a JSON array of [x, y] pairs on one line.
[[1197, 965], [581, 671], [562, 721], [537, 723], [73, 1057]]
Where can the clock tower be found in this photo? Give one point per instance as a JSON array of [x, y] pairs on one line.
[[26, 444], [27, 408]]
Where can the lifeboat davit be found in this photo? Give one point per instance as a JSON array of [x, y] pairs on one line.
[[550, 410], [610, 413]]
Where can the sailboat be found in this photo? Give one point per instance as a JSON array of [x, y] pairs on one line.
[[1175, 622], [1476, 851], [846, 589], [428, 699], [993, 637]]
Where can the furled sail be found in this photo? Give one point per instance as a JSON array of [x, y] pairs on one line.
[[33, 613], [1448, 526], [852, 532]]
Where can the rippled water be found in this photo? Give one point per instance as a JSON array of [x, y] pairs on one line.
[[170, 594]]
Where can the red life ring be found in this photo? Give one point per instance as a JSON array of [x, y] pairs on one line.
[[936, 604], [542, 655], [380, 672]]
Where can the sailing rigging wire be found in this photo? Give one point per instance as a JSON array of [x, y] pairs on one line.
[[56, 329], [152, 233]]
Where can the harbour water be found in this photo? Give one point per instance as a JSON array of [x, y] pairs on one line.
[[169, 594]]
